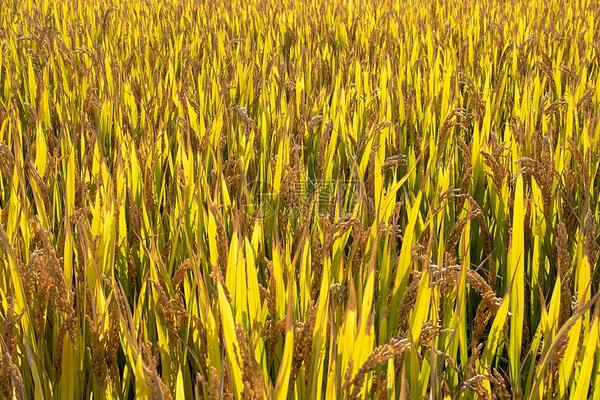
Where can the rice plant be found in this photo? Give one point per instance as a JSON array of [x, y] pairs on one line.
[[317, 199]]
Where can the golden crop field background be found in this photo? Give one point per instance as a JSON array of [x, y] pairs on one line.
[[318, 199]]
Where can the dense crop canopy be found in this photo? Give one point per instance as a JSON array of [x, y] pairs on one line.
[[317, 199]]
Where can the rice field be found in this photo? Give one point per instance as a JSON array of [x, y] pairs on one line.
[[311, 200]]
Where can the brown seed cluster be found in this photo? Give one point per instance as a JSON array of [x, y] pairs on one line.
[[104, 344], [394, 348], [171, 309], [254, 387], [11, 380], [7, 160], [44, 281]]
